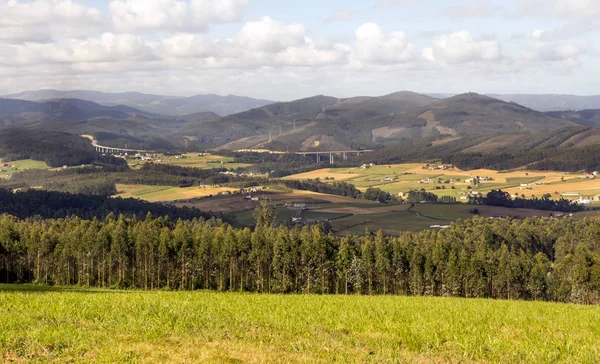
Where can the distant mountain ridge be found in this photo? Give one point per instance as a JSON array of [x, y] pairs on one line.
[[542, 102], [318, 123], [63, 109], [158, 104]]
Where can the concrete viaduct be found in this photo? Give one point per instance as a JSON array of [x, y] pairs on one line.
[[111, 150], [331, 154]]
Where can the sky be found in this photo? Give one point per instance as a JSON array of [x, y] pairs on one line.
[[283, 50]]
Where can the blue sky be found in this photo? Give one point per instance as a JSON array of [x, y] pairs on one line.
[[290, 49]]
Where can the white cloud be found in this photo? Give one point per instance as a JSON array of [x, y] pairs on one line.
[[265, 42], [311, 55], [374, 46], [543, 50], [41, 20], [460, 47], [169, 15], [108, 47], [268, 35]]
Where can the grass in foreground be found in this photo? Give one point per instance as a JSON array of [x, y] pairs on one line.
[[46, 324]]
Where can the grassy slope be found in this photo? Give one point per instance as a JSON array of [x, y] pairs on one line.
[[167, 193], [20, 165], [58, 325]]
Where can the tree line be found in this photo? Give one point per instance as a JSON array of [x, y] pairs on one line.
[[50, 204], [501, 198], [534, 259], [338, 188]]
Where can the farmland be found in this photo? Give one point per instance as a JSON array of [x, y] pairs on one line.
[[10, 168], [452, 182], [351, 216], [65, 325], [206, 161], [167, 193]]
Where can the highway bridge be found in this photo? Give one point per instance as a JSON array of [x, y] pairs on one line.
[[331, 154], [112, 150]]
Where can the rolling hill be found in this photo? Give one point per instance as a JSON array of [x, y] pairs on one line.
[[318, 123], [158, 104], [63, 109], [326, 123], [119, 125]]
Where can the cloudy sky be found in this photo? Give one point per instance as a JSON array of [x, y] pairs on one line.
[[287, 49]]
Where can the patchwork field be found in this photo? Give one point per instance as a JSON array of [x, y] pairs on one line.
[[167, 193], [451, 182], [43, 324], [350, 216], [195, 160], [7, 169]]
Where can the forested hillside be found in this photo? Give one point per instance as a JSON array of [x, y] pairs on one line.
[[54, 148], [325, 123], [540, 259], [567, 149]]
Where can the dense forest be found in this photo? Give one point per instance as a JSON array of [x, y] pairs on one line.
[[53, 148], [48, 204], [536, 258]]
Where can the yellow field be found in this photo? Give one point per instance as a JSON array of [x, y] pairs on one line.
[[322, 174], [406, 177], [585, 188], [167, 193]]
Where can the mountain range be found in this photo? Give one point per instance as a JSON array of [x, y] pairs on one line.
[[317, 123], [157, 104]]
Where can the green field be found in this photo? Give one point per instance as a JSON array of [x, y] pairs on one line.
[[16, 166], [40, 324], [403, 178], [195, 160]]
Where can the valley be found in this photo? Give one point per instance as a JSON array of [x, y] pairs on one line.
[[246, 181]]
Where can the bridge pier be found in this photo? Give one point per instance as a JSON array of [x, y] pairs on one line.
[[331, 158]]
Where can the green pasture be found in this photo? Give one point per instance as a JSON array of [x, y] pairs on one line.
[[39, 324], [7, 169]]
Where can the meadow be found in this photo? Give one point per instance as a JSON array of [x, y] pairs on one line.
[[44, 324], [15, 166]]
